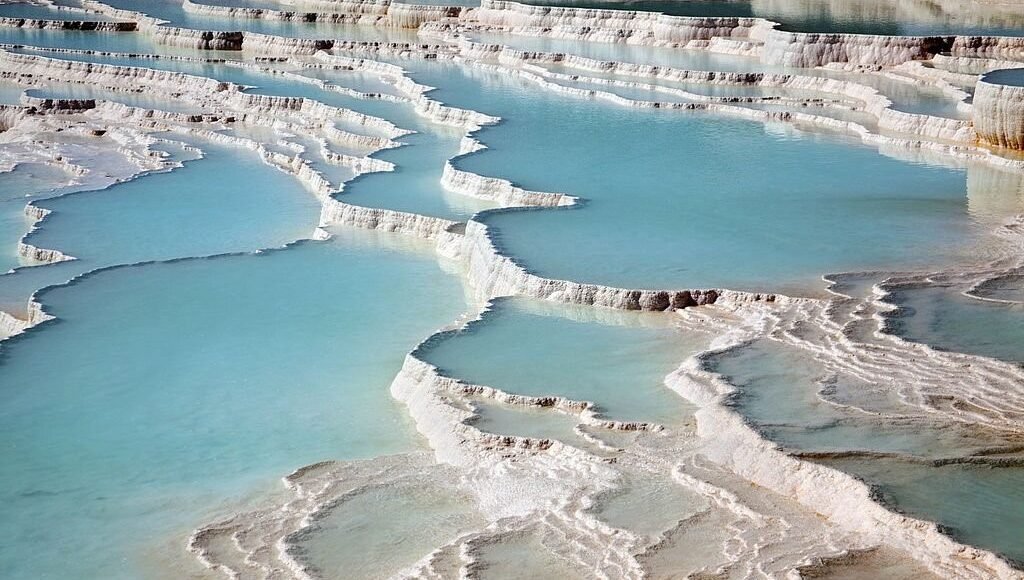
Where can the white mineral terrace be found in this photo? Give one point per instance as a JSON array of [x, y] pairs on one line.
[[778, 515], [999, 108]]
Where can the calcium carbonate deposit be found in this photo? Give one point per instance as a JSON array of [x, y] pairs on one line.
[[374, 289]]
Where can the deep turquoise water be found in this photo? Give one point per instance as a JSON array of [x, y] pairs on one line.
[[228, 201], [213, 378], [534, 350]]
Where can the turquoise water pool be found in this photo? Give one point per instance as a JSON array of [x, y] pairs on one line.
[[691, 202], [228, 201], [213, 378], [531, 350]]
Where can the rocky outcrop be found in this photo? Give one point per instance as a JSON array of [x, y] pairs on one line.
[[42, 255], [58, 105], [810, 50], [197, 39], [997, 47]]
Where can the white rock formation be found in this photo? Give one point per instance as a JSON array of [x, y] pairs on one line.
[[999, 108]]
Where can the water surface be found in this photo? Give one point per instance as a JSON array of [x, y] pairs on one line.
[[943, 317], [213, 378], [530, 350], [688, 203], [782, 393], [228, 201], [17, 187]]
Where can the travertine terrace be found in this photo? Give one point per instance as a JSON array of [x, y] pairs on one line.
[[772, 513]]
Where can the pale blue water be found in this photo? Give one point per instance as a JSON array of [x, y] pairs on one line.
[[10, 93], [167, 391], [943, 317], [693, 87], [358, 80], [381, 530], [108, 41], [536, 351], [681, 199], [904, 96], [777, 394], [38, 12], [17, 188], [227, 202], [414, 186], [513, 420], [980, 505]]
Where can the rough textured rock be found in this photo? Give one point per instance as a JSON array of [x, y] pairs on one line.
[[810, 50]]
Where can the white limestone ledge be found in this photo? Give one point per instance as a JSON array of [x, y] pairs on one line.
[[999, 108]]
